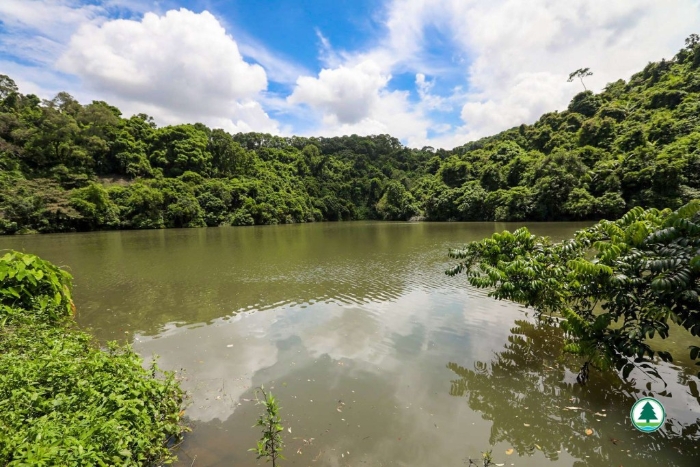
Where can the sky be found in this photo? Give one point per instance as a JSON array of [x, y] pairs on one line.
[[434, 73]]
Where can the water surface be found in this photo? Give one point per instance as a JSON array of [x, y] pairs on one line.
[[377, 357]]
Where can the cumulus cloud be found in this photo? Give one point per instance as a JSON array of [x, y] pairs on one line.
[[346, 94], [480, 66], [520, 53], [529, 96], [511, 58], [179, 66], [355, 99]]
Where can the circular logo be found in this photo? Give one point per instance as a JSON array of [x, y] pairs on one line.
[[647, 414]]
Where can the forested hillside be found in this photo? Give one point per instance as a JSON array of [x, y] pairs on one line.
[[72, 167]]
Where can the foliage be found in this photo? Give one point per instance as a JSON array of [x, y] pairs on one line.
[[32, 286], [615, 285], [71, 167], [580, 74], [396, 203], [65, 401], [270, 445]]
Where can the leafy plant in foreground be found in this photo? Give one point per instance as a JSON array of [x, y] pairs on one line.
[[270, 444], [32, 285], [65, 401], [612, 287]]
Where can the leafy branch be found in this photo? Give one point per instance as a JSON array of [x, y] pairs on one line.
[[616, 284], [270, 444]]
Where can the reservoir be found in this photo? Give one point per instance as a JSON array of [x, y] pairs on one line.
[[376, 356]]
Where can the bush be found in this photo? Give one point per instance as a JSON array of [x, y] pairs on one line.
[[32, 287], [63, 400]]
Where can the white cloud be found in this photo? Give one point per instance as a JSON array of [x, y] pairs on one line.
[[278, 68], [424, 87], [513, 57], [38, 30], [52, 18], [521, 52], [35, 30], [354, 99], [507, 62], [346, 94], [530, 95], [181, 66]]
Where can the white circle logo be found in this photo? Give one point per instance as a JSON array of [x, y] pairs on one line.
[[647, 414]]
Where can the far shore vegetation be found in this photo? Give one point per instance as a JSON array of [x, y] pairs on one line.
[[66, 167]]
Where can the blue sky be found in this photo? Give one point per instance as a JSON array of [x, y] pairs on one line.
[[430, 72]]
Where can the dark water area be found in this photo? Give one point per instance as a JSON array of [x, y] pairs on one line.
[[376, 356]]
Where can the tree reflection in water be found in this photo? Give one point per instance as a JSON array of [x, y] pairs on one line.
[[532, 383]]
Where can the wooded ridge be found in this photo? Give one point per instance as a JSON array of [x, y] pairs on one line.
[[72, 167]]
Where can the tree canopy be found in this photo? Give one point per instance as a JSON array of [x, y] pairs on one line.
[[67, 166]]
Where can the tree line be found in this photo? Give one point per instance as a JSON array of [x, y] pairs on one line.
[[66, 166]]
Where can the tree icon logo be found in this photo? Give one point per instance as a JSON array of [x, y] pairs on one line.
[[647, 414]]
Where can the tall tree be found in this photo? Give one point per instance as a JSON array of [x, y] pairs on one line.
[[580, 74]]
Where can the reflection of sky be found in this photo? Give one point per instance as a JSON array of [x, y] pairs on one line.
[[392, 353], [385, 361], [384, 337]]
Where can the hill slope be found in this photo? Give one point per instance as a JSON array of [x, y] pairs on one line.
[[67, 166]]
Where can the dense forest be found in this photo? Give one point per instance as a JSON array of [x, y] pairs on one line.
[[72, 167]]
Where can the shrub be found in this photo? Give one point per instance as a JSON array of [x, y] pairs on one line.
[[63, 400]]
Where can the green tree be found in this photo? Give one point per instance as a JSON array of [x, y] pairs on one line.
[[614, 286], [633, 144], [179, 148], [648, 413], [580, 74], [396, 203], [228, 157]]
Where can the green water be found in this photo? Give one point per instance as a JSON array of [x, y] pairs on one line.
[[378, 358]]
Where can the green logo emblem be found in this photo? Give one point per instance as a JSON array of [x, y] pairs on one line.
[[647, 414]]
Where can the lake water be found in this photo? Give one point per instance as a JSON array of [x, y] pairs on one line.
[[377, 357]]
